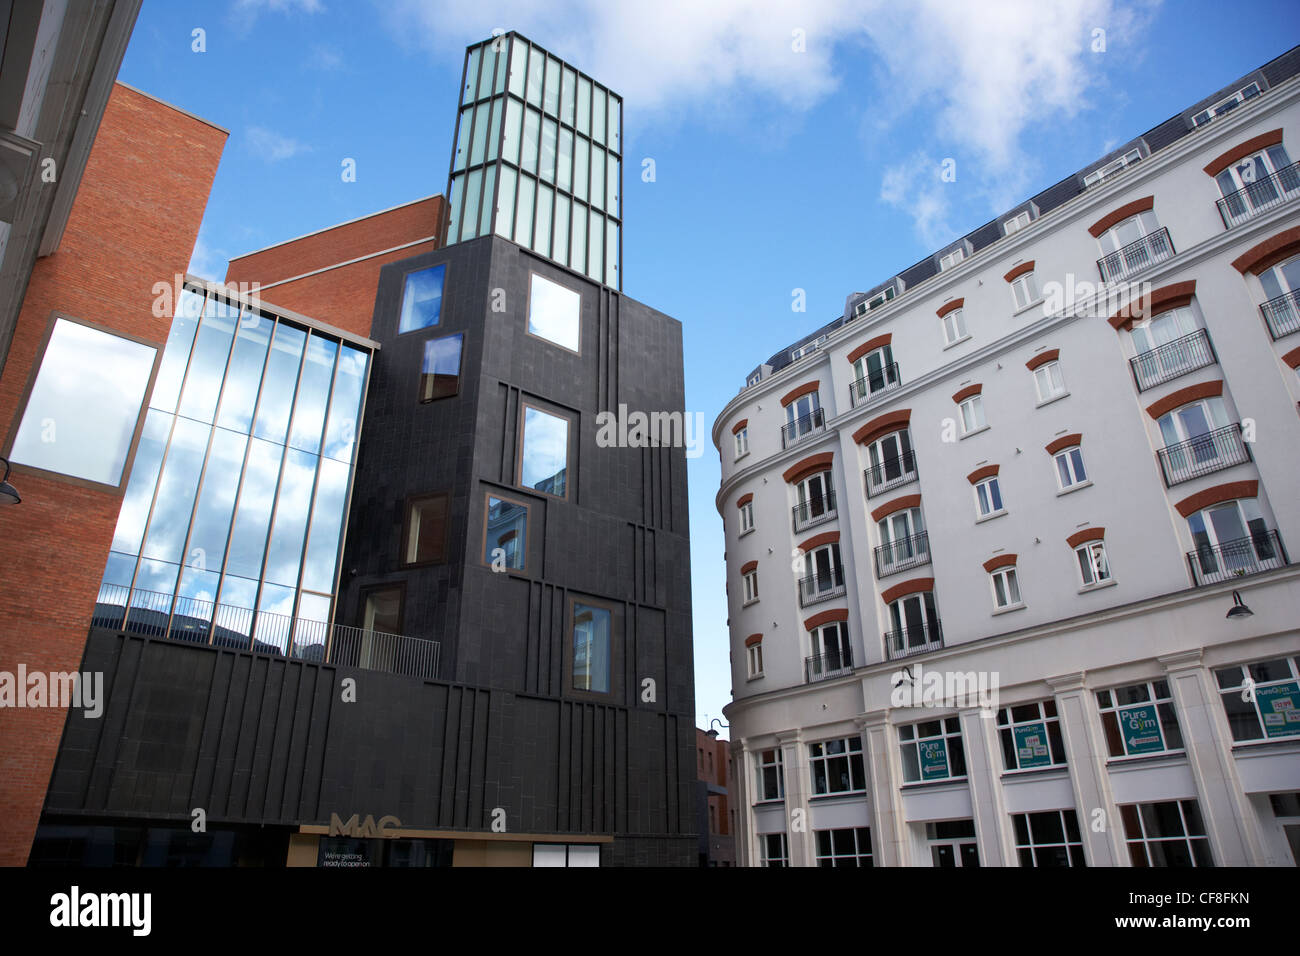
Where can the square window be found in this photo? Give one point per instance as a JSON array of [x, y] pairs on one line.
[[1048, 381], [972, 414], [591, 647], [554, 312], [544, 452], [422, 298], [440, 371], [85, 403], [425, 540], [505, 534]]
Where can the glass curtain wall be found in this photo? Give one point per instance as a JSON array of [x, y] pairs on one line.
[[538, 158], [231, 524]]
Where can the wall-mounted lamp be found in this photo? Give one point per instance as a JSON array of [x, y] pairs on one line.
[[712, 731], [8, 493], [1238, 609]]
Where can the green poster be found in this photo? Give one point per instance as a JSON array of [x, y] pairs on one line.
[[1279, 708], [1140, 725], [1031, 746], [934, 759]]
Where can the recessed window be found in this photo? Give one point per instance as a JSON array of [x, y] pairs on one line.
[[544, 452], [1048, 838], [425, 539], [83, 408], [972, 414], [848, 847], [751, 586], [754, 658], [1031, 736], [774, 850], [816, 500], [771, 775], [1139, 719], [554, 312], [742, 443], [1232, 539], [592, 647], [874, 372], [1006, 588], [954, 326], [1170, 833], [1094, 569], [932, 750], [837, 766], [382, 610], [1261, 700], [1048, 381], [1024, 290], [505, 537], [440, 371], [422, 299], [1069, 468], [988, 497], [747, 517]]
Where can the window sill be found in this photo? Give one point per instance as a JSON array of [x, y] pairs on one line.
[[982, 428], [754, 677], [1052, 398], [1073, 488], [989, 517], [740, 457], [1023, 309], [1032, 771], [1129, 759], [1108, 583], [956, 342], [749, 602], [749, 530], [918, 784], [769, 802], [820, 797], [1258, 742], [1009, 608]]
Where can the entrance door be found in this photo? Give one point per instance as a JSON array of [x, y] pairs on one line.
[[952, 843]]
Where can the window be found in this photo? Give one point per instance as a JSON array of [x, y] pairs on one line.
[[850, 847], [440, 372], [837, 766], [84, 405], [774, 850], [1049, 838], [1139, 719], [1031, 736], [1048, 381], [747, 517], [1127, 232], [554, 312], [952, 843], [1282, 290], [972, 414], [751, 586], [1261, 700], [1115, 166], [382, 610], [902, 540], [874, 372], [832, 654], [592, 649], [816, 499], [771, 775], [891, 462], [754, 657], [1164, 328], [952, 258], [954, 326], [1232, 539], [932, 750], [544, 452], [988, 497], [807, 349], [1166, 834], [1069, 468], [742, 443], [915, 624], [1016, 223], [505, 533], [1094, 569], [753, 379], [1256, 183], [422, 298], [1226, 105], [1024, 290], [425, 540], [558, 854], [823, 574], [880, 298], [1006, 589], [803, 416]]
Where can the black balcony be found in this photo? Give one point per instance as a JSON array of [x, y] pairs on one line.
[[1262, 551], [910, 641], [910, 552], [809, 513], [826, 666], [1203, 455], [801, 428], [876, 383], [1137, 255], [1265, 193], [1168, 361], [890, 474], [1282, 314], [821, 586]]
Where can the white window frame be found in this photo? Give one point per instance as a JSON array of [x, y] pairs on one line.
[[1130, 230], [754, 659], [782, 857], [746, 517], [1024, 290], [1073, 846], [806, 496], [1093, 564], [972, 415], [1232, 683], [742, 443], [1114, 166], [836, 635], [954, 327], [860, 857], [1045, 713], [881, 297], [750, 581], [1236, 99], [1069, 461], [1187, 838], [910, 738], [1017, 222], [834, 568], [951, 258], [1055, 383], [862, 372], [877, 458], [1152, 692], [761, 765], [1006, 576], [851, 747], [985, 491]]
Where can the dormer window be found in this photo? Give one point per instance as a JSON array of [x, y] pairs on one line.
[[1226, 105], [1016, 223], [952, 258], [881, 297], [1111, 168]]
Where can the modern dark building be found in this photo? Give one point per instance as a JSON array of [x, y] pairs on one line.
[[379, 592]]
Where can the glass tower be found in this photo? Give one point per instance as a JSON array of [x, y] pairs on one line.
[[538, 158]]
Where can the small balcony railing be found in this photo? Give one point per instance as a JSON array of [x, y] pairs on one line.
[[910, 552], [809, 513], [1261, 551], [154, 614], [1282, 314], [890, 474], [1166, 362], [1203, 455], [826, 666], [876, 383], [821, 586], [801, 428], [1137, 255], [1265, 193], [910, 641]]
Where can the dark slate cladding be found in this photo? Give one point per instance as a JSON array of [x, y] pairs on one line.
[[782, 359], [1283, 68], [1170, 131], [985, 235], [914, 275], [1058, 194]]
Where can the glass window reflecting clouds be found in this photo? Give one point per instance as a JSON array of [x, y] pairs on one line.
[[554, 312], [440, 372], [505, 539], [544, 454], [592, 628], [422, 298]]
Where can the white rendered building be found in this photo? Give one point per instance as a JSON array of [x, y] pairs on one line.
[[984, 530]]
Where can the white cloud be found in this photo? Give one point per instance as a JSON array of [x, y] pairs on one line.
[[917, 186], [207, 262], [273, 147]]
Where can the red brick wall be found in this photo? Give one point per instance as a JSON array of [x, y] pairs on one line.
[[134, 223], [721, 751], [343, 296]]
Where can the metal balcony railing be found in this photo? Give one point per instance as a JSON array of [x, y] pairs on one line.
[[1166, 362], [890, 473], [1282, 314], [1203, 455], [814, 512], [1137, 255], [799, 429], [1261, 551], [821, 586], [885, 380], [910, 552], [910, 641], [1265, 193], [826, 666], [155, 614]]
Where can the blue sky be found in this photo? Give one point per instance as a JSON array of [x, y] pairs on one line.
[[796, 145]]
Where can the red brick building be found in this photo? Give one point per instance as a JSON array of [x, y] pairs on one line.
[[717, 847]]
